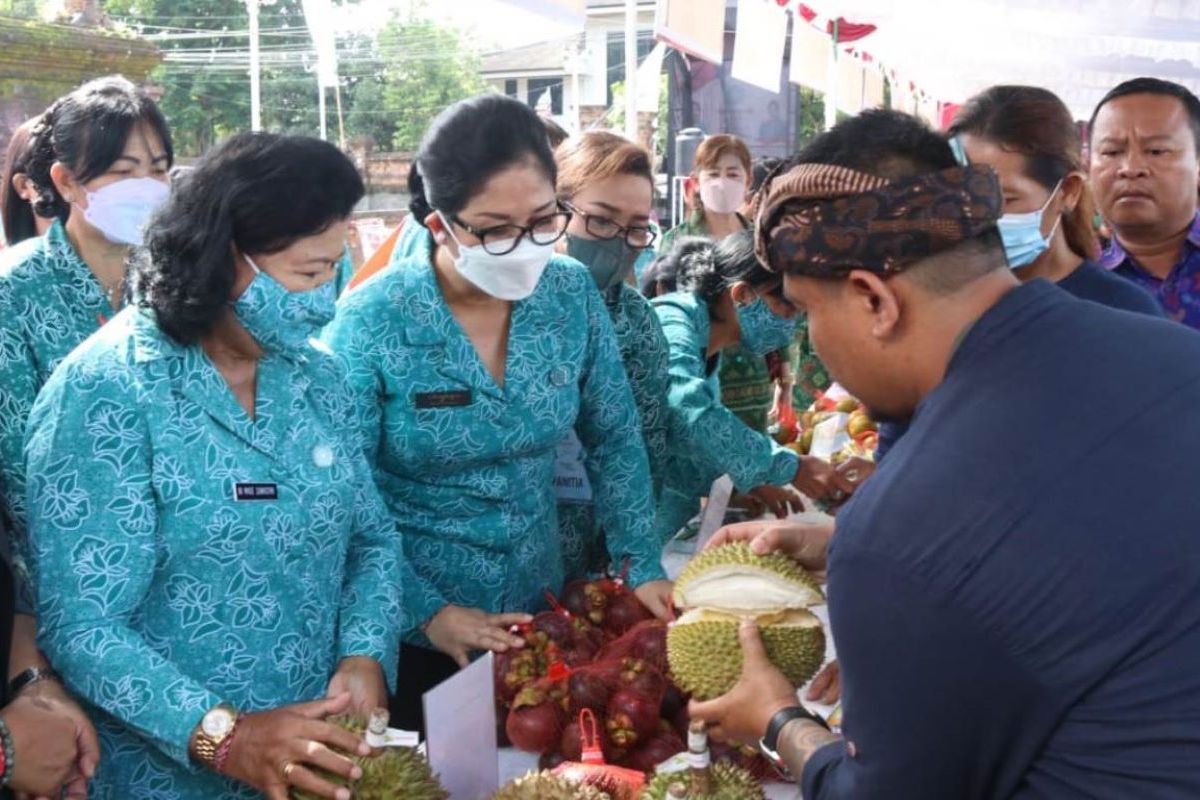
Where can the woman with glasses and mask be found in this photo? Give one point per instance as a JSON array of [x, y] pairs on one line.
[[607, 184], [725, 299], [472, 361]]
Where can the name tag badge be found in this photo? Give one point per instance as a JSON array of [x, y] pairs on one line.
[[255, 491], [443, 399], [571, 484]]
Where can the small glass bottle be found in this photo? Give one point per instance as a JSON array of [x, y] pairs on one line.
[[699, 759]]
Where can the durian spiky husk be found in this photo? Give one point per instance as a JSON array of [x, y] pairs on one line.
[[729, 782], [734, 578], [393, 773], [547, 786], [706, 657]]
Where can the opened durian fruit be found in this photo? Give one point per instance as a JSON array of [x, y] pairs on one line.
[[718, 588]]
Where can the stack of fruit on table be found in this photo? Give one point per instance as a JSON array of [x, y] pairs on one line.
[[601, 650], [599, 655], [835, 427]]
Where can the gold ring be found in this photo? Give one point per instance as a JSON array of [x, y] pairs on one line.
[[288, 767]]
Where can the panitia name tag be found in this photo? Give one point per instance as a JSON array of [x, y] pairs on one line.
[[256, 491], [450, 399], [571, 484]]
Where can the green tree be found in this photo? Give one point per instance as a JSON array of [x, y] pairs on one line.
[[424, 68], [205, 78], [21, 9]]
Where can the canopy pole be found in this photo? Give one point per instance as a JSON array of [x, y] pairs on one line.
[[631, 95]]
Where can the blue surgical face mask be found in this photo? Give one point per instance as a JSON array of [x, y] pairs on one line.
[[1022, 234], [282, 321], [609, 260], [762, 329]]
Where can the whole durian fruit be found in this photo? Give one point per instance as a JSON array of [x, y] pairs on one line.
[[721, 586], [547, 786], [391, 773], [727, 782]]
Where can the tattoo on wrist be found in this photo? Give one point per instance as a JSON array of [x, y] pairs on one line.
[[799, 739]]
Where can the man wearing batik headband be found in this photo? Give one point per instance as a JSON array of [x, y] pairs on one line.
[[1016, 611]]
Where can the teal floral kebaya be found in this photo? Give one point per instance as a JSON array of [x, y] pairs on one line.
[[644, 355], [199, 555], [467, 466], [49, 302], [706, 439]]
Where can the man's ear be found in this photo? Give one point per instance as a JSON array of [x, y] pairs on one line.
[[874, 297]]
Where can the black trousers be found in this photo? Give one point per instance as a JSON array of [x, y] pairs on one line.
[[421, 669]]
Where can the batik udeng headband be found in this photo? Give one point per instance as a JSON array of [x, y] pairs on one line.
[[824, 221]]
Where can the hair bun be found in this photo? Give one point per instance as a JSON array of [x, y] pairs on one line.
[[418, 205]]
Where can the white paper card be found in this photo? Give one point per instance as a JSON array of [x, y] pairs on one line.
[[460, 732], [830, 436], [714, 511]]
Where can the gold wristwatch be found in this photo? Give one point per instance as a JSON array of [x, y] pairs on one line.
[[215, 727]]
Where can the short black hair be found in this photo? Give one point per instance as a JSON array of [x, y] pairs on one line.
[[16, 212], [467, 144], [555, 133], [760, 169], [707, 267], [87, 130], [1154, 86], [894, 145], [256, 193]]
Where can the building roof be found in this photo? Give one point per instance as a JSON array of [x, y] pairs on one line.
[[540, 57]]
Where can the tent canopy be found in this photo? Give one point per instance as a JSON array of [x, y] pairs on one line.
[[1078, 49]]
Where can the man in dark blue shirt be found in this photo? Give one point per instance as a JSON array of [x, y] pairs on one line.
[[1017, 612]]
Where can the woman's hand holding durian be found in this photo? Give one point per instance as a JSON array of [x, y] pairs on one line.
[[275, 750]]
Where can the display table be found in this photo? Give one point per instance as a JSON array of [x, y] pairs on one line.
[[515, 763]]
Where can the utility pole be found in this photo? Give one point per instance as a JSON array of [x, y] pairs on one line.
[[631, 95], [255, 88]]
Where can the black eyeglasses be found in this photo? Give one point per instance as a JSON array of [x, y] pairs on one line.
[[503, 239], [604, 228]]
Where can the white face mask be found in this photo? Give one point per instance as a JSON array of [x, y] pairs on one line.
[[722, 195], [121, 210], [512, 276]]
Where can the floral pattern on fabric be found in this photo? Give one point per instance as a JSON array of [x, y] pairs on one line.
[[49, 303], [644, 354], [1179, 294], [170, 595], [467, 467], [812, 379], [706, 440]]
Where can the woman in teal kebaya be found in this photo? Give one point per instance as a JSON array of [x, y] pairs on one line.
[[726, 299], [471, 366], [98, 159], [217, 571], [607, 183]]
